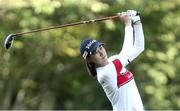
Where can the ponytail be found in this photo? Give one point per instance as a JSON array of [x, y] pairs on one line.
[[91, 69]]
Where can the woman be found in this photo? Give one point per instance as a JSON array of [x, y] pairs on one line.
[[118, 82]]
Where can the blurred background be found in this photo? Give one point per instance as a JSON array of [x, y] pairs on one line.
[[44, 70]]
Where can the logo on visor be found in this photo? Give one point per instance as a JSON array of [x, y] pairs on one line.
[[86, 52], [90, 43]]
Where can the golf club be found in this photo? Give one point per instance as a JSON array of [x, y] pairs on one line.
[[9, 39]]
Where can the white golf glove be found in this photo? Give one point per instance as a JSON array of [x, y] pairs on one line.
[[133, 15]]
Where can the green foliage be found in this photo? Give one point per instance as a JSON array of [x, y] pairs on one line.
[[45, 71]]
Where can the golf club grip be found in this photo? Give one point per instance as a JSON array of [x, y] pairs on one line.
[[67, 25]]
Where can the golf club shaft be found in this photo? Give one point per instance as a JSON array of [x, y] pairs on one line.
[[67, 25]]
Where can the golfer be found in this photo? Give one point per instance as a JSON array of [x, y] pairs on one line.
[[117, 81]]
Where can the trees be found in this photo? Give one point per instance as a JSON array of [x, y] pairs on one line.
[[44, 70]]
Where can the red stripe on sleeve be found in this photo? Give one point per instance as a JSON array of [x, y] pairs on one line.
[[121, 78], [117, 65]]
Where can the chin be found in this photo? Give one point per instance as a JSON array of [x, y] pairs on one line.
[[105, 62]]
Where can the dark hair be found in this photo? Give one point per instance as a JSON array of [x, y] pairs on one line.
[[91, 69]]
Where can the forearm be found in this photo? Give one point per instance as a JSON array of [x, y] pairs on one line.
[[128, 37], [139, 37]]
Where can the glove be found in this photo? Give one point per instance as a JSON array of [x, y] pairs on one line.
[[134, 15]]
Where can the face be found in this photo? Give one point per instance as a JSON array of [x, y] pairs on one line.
[[100, 57]]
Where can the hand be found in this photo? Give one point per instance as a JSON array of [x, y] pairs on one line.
[[133, 15], [125, 18]]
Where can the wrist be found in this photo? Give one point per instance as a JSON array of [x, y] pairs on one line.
[[128, 23], [137, 22]]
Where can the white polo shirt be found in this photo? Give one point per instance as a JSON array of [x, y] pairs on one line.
[[118, 83]]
